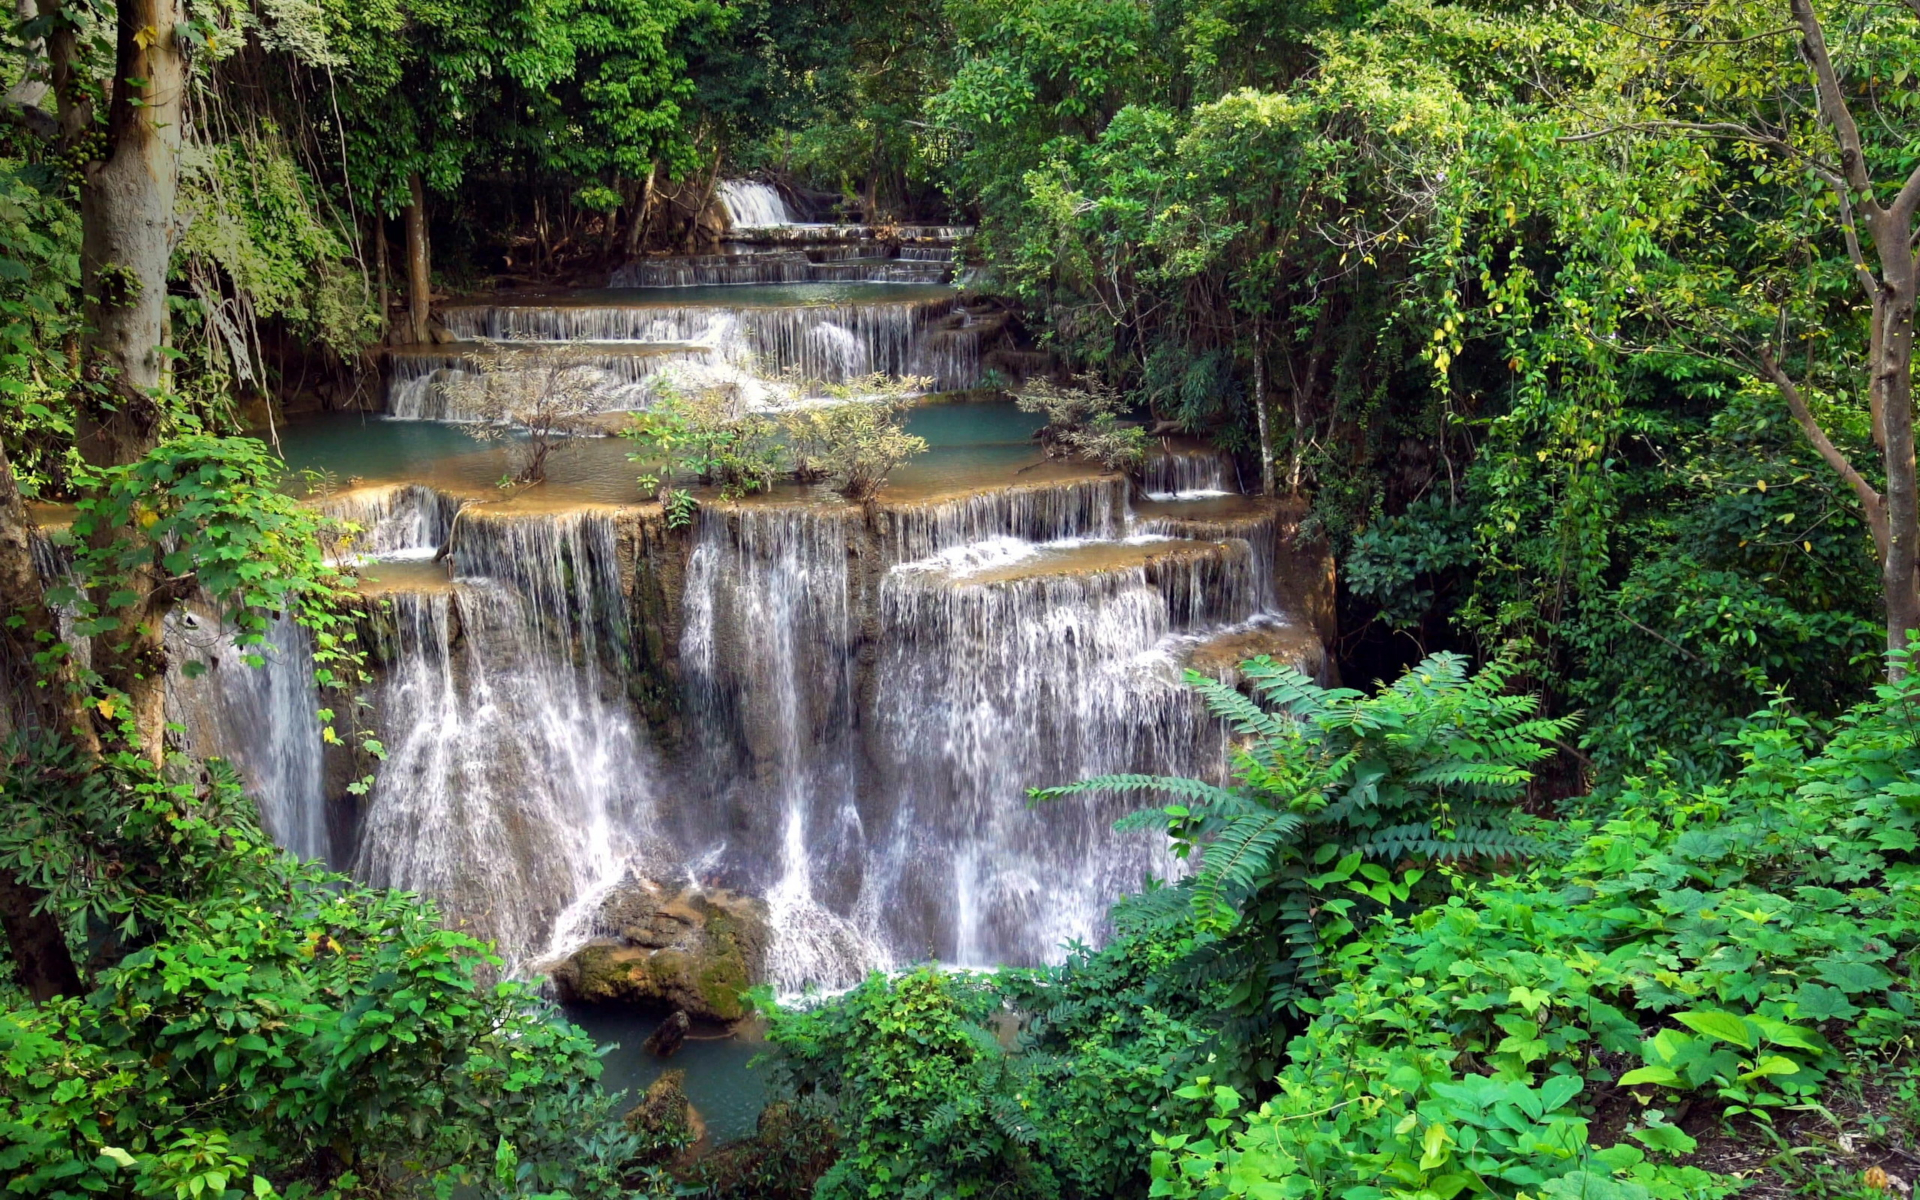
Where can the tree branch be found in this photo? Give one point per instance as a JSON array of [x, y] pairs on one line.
[[1870, 499], [1853, 158], [1868, 283]]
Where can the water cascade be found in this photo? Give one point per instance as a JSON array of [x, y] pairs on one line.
[[516, 775], [837, 708], [752, 205]]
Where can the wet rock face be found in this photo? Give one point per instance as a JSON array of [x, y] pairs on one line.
[[693, 950]]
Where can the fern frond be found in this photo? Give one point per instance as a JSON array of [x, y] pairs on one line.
[[1197, 790]]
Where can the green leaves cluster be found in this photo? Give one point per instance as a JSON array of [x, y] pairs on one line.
[[257, 1026], [1742, 941], [710, 436], [1340, 804]]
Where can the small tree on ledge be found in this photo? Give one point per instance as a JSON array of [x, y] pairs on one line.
[[548, 389]]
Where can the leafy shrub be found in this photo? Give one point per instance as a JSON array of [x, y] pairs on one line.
[[1084, 422], [927, 1101], [257, 1025], [1404, 563], [1740, 941], [853, 446], [1340, 801], [708, 435]]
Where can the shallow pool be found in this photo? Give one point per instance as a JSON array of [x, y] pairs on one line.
[[728, 1093]]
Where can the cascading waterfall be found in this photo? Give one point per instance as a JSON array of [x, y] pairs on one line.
[[780, 266], [1045, 512], [1186, 474], [397, 520], [990, 682], [417, 382], [863, 262], [263, 719], [516, 774], [866, 693], [828, 343], [768, 656], [752, 205]]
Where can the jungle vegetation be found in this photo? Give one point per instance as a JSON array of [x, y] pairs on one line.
[[1582, 329]]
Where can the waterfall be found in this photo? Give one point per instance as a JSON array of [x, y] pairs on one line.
[[417, 382], [398, 520], [1044, 512], [752, 205], [826, 342], [768, 653], [516, 775], [1185, 474], [263, 719], [990, 681], [784, 266]]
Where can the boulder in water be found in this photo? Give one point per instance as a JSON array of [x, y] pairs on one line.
[[665, 1041], [666, 1121], [694, 950]]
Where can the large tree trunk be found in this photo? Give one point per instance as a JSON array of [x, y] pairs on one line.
[[419, 262], [127, 237]]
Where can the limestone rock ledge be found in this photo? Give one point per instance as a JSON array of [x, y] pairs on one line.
[[691, 949]]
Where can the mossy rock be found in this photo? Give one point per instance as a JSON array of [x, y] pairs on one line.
[[695, 951]]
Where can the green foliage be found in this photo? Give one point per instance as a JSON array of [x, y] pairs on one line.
[[257, 1025], [925, 1097], [1757, 929], [1085, 422], [1341, 804], [39, 275], [206, 514], [254, 248], [1400, 562], [711, 436], [853, 446]]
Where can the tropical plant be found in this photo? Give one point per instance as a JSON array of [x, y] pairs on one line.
[[1340, 803], [707, 434], [253, 1025], [1084, 422]]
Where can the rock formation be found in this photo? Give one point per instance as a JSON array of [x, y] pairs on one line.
[[693, 950]]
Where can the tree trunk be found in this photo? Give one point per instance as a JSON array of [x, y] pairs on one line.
[[637, 231], [419, 260], [127, 236], [1260, 412], [380, 254], [1893, 382]]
